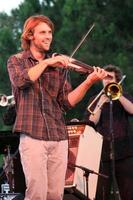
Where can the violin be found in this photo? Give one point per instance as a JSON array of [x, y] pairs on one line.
[[77, 65]]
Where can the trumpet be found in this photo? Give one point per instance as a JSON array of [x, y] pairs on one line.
[[112, 90], [6, 100]]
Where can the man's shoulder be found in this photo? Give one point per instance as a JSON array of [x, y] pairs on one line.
[[18, 55], [21, 55]]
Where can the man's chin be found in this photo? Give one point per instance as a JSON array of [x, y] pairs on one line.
[[45, 50], [47, 47]]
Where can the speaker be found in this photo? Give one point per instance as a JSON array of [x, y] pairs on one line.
[[84, 144], [72, 154], [74, 132], [11, 196]]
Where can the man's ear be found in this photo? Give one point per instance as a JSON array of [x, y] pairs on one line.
[[30, 36]]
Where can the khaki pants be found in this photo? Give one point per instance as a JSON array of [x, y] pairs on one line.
[[44, 165]]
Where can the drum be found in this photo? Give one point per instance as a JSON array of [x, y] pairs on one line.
[[85, 145]]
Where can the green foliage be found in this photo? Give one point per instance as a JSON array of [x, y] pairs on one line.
[[1, 160], [26, 9], [7, 47], [110, 41]]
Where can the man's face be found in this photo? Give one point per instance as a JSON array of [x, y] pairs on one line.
[[42, 37], [109, 79]]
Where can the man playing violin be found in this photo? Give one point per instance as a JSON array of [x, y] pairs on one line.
[[42, 94], [120, 165]]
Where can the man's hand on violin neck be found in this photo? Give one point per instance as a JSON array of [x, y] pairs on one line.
[[97, 74]]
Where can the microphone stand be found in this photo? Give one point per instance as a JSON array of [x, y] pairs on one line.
[[86, 175], [112, 152]]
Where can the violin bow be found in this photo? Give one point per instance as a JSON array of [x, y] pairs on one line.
[[82, 40]]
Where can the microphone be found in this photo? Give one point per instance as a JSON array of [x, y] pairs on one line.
[[86, 170]]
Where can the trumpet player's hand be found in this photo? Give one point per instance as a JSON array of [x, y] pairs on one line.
[[103, 99], [97, 74]]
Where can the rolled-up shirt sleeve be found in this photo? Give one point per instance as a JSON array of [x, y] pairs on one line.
[[18, 73]]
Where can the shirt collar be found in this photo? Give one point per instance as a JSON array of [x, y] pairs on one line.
[[28, 55]]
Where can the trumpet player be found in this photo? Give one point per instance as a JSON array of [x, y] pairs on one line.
[[120, 168], [42, 93]]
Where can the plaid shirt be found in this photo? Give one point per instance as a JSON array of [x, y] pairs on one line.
[[40, 104]]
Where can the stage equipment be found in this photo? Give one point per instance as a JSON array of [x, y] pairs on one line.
[[115, 187], [11, 196], [85, 146], [8, 139]]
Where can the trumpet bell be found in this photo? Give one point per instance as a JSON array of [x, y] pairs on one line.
[[3, 100], [6, 100], [113, 90]]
